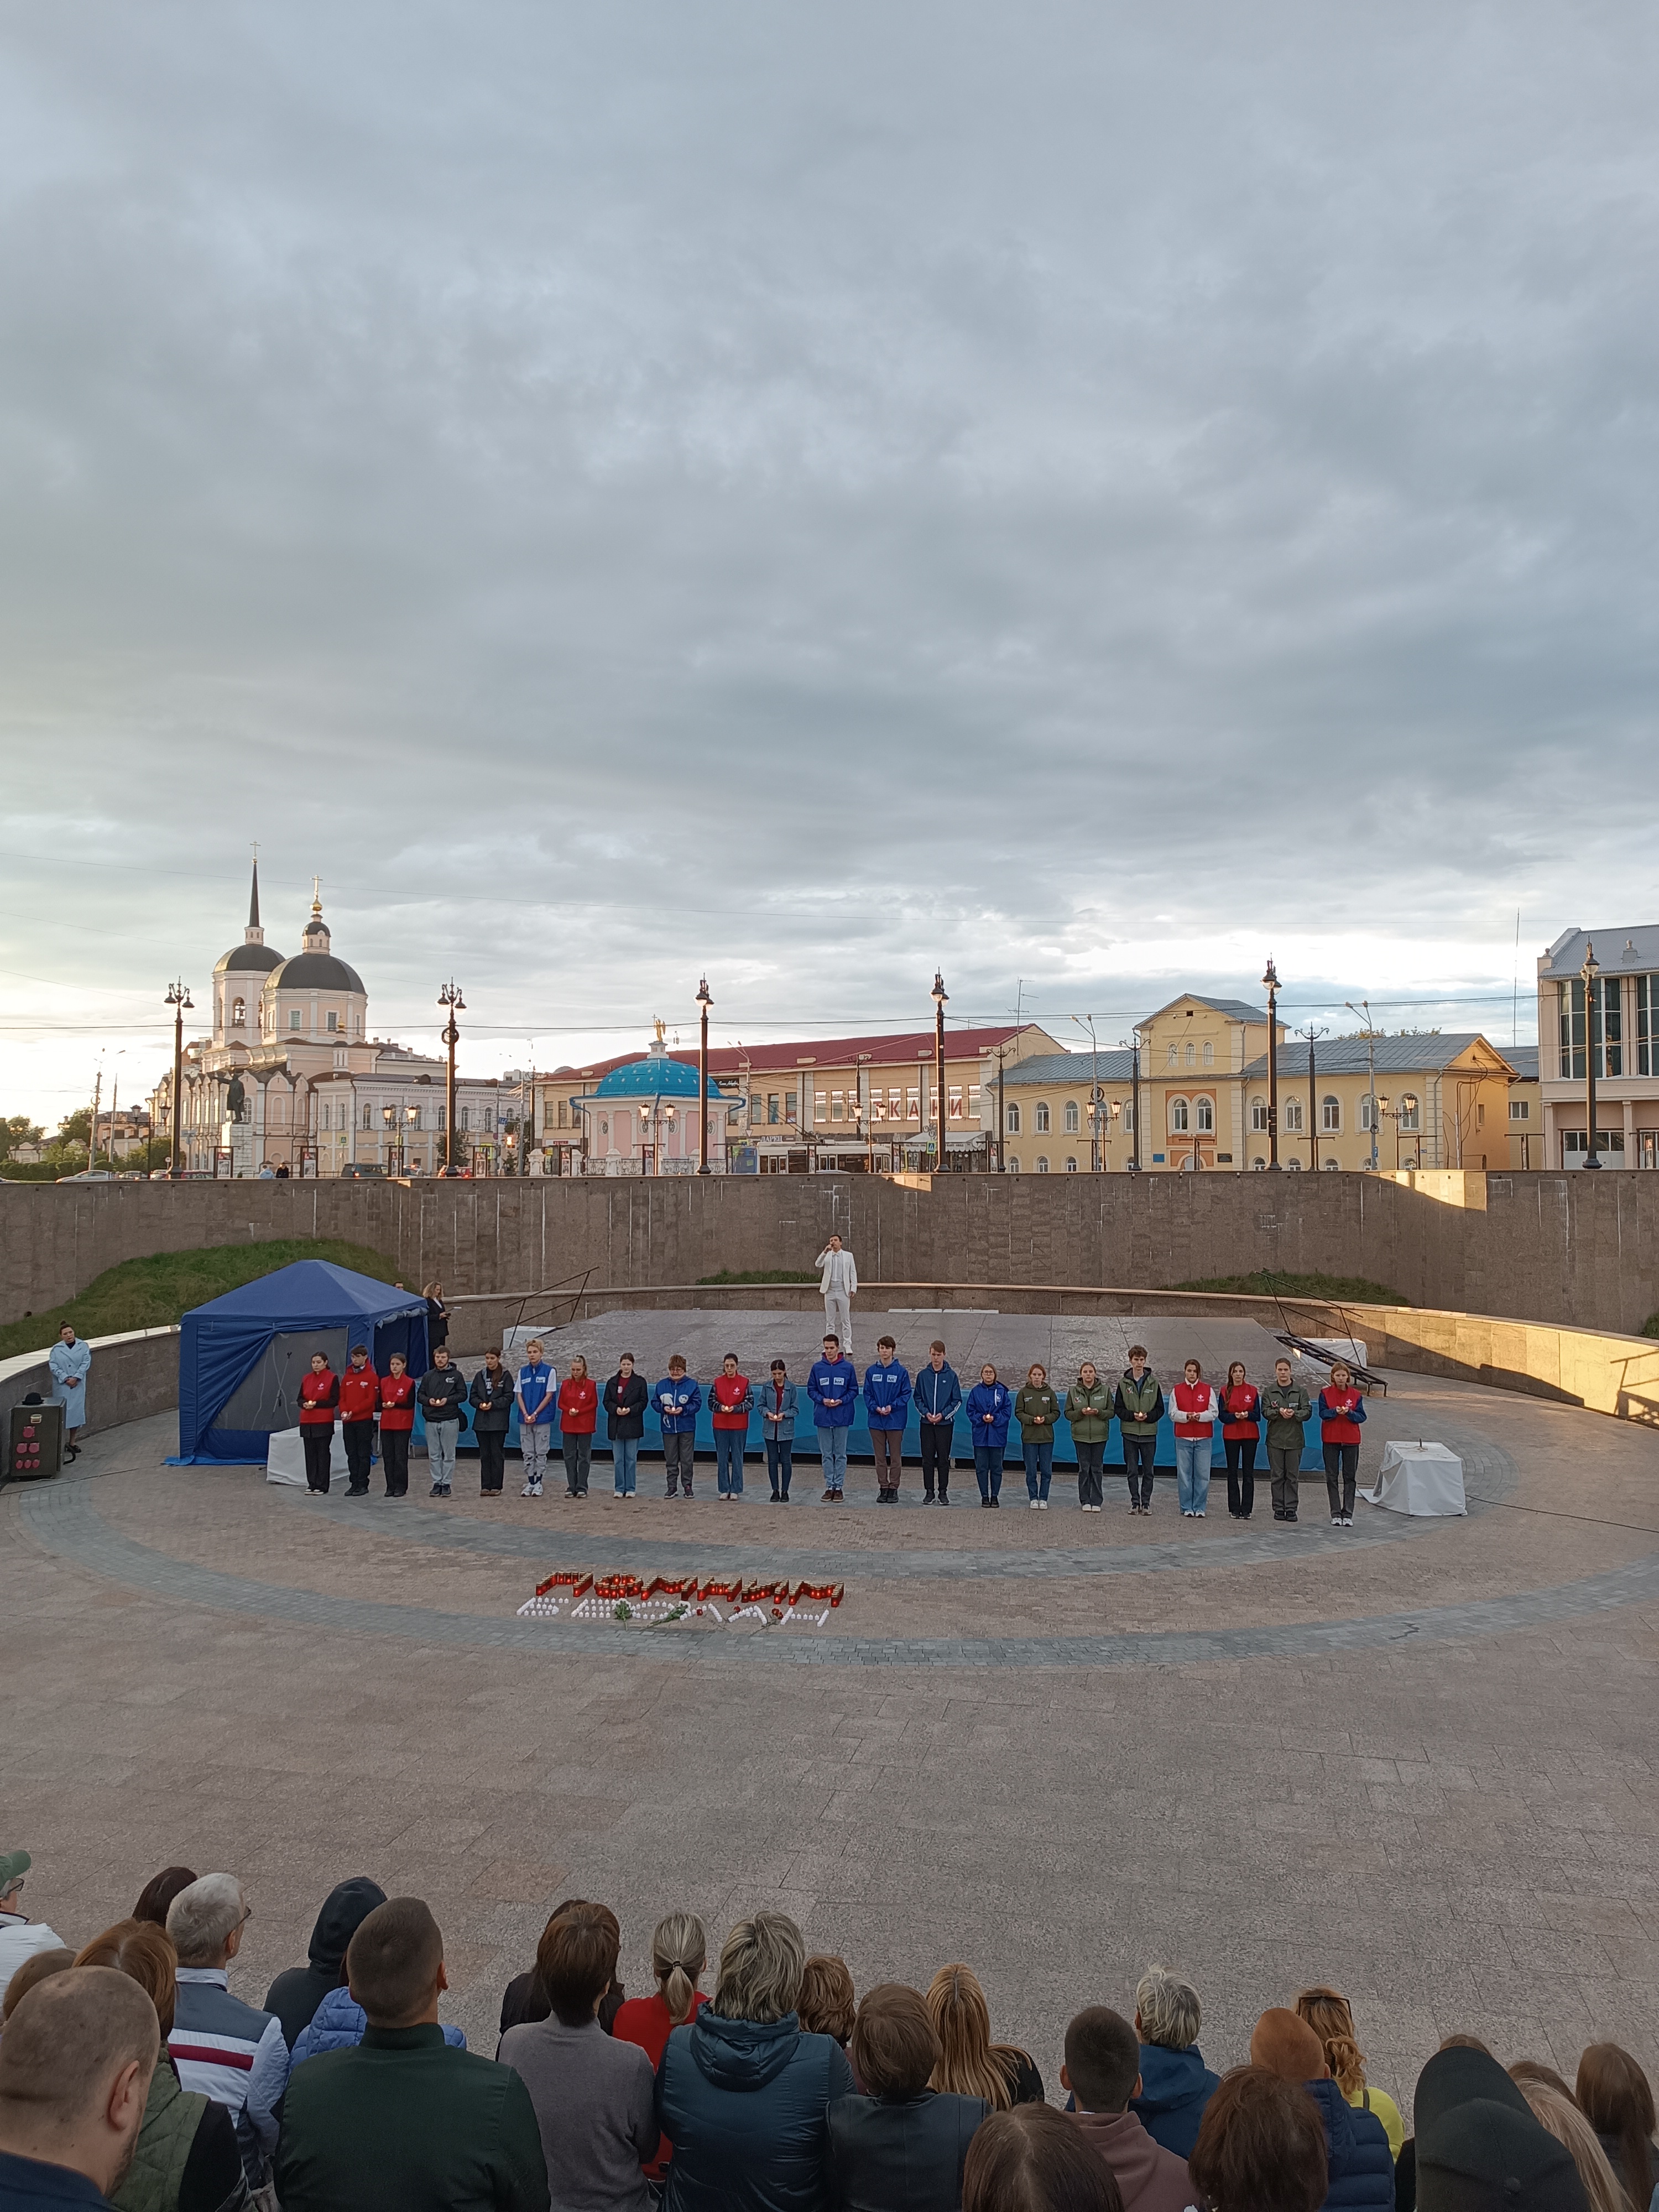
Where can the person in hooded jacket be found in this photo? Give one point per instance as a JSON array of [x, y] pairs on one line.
[[989, 1407], [297, 1992], [491, 1400], [338, 2024], [742, 2093], [1103, 2072], [1176, 2085], [1359, 2163]]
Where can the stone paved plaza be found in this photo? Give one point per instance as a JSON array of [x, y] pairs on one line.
[[1415, 1759]]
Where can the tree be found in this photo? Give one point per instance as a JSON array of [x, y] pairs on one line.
[[18, 1129], [74, 1128]]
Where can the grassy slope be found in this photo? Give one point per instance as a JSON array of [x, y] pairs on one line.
[[1265, 1284], [763, 1275], [151, 1293]]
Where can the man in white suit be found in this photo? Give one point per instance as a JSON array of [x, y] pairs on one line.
[[839, 1284]]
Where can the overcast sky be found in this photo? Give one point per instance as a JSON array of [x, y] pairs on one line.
[[1091, 494]]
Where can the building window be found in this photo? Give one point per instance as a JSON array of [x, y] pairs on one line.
[[954, 1101], [238, 1012], [412, 1117], [1609, 1029], [1408, 1111], [1042, 1116], [1072, 1121], [1207, 1114], [1365, 1110], [1128, 1117], [1014, 1120], [1480, 1114], [443, 1117], [1520, 1109], [1574, 1146], [1042, 1163], [1293, 1115], [1170, 1059], [837, 1105], [1258, 1113], [463, 1117], [293, 1017], [1178, 1114], [1192, 1055], [773, 1103], [1647, 1024], [368, 1117], [1071, 1164], [913, 1106], [332, 1022], [564, 1114], [1209, 1053], [791, 1105], [1330, 1114], [322, 1116], [973, 1101], [1013, 1163]]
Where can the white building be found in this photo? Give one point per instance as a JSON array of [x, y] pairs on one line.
[[1621, 1014]]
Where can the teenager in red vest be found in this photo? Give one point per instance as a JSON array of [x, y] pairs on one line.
[[319, 1394], [1341, 1409], [1192, 1409], [1241, 1433], [732, 1399], [360, 1401], [578, 1416], [397, 1421]]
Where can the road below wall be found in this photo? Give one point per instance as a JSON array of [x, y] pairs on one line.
[[1578, 1250]]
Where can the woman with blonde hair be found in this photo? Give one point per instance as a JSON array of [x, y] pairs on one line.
[[970, 2064], [1554, 2109], [679, 1952], [1329, 2014]]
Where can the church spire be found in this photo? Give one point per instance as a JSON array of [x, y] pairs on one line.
[[254, 934]]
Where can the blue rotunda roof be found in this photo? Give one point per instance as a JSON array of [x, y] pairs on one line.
[[656, 1076]]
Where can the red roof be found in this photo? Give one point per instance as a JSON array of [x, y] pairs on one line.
[[899, 1048]]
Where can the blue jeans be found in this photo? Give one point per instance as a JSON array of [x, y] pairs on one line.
[[987, 1469], [779, 1463], [624, 1464], [728, 1462], [1039, 1466], [1193, 1473], [832, 1450]]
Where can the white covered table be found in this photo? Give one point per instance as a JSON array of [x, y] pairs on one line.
[[286, 1460], [1419, 1478]]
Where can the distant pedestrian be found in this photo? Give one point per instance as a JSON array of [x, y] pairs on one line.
[[441, 1396], [1194, 1413], [1036, 1409], [1342, 1412], [360, 1401], [730, 1399], [1139, 1404], [678, 1398], [1241, 1432], [625, 1401], [578, 1416], [989, 1408], [537, 1393], [1088, 1415], [833, 1387], [838, 1284], [780, 1401], [70, 1361], [886, 1408], [283, 1174], [437, 1315], [319, 1394], [1286, 1405], [937, 1394], [491, 1400]]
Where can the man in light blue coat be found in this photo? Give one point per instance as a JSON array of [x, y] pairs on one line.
[[833, 1387]]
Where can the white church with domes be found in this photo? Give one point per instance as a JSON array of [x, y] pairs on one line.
[[291, 1078]]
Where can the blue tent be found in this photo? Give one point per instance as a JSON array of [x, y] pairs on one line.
[[240, 1356]]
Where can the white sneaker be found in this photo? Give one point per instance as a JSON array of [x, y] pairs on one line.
[[1336, 1520], [1034, 1503], [1042, 1505]]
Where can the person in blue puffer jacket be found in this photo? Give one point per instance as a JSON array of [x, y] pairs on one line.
[[989, 1406], [886, 1409], [677, 1399], [1176, 2085], [1359, 2165], [338, 2023], [833, 1386]]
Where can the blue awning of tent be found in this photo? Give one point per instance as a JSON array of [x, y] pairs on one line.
[[221, 1343]]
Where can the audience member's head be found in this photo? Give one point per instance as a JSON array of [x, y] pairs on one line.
[[679, 1952], [1329, 2014], [35, 1968], [14, 1865], [158, 1893], [576, 1959], [1462, 2042], [1033, 2160], [1287, 2046], [205, 1920], [1556, 2108], [395, 1964], [828, 2003], [1615, 2097], [762, 1961], [1260, 2146], [968, 2065], [894, 2047], [75, 2067], [1166, 2008], [1103, 2061], [1524, 2072], [141, 1951], [1479, 2146]]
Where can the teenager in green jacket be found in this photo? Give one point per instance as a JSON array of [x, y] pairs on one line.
[[1284, 1406], [1089, 1411], [1036, 1409], [1138, 1405]]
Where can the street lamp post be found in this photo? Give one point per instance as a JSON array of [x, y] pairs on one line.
[[450, 999], [1364, 1009], [704, 1002], [180, 1000], [1133, 1042], [1270, 985], [1311, 1033], [940, 995], [1589, 973], [1087, 1021]]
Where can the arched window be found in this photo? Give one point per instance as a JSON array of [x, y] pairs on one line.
[[1128, 1117], [1071, 1117], [1071, 1165], [1192, 1054], [1042, 1163], [1013, 1123], [238, 1012], [1408, 1111], [1329, 1165], [1013, 1163], [1258, 1113], [1177, 1113], [1207, 1114], [1293, 1113], [1330, 1113], [1042, 1116], [1259, 1166], [1365, 1111], [1170, 1061], [1209, 1053]]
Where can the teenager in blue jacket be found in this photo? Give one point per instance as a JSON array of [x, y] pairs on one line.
[[989, 1406], [939, 1401], [676, 1398], [886, 1408], [833, 1387]]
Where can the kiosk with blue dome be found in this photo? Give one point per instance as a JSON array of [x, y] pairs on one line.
[[643, 1118]]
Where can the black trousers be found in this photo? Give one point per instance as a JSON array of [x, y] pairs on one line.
[[1138, 1453], [1089, 1457], [318, 1443], [936, 1442], [1241, 1473], [358, 1436], [1341, 1467], [394, 1462], [492, 1458]]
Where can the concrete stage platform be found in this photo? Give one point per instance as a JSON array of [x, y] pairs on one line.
[[1413, 1759]]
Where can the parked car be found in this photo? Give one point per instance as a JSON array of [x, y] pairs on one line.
[[90, 1175], [357, 1170]]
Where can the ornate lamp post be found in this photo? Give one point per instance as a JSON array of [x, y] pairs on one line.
[[1270, 985], [704, 1002], [1590, 974], [180, 1000], [450, 997], [939, 997]]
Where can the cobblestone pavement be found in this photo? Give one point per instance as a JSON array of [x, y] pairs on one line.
[[1414, 1759]]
